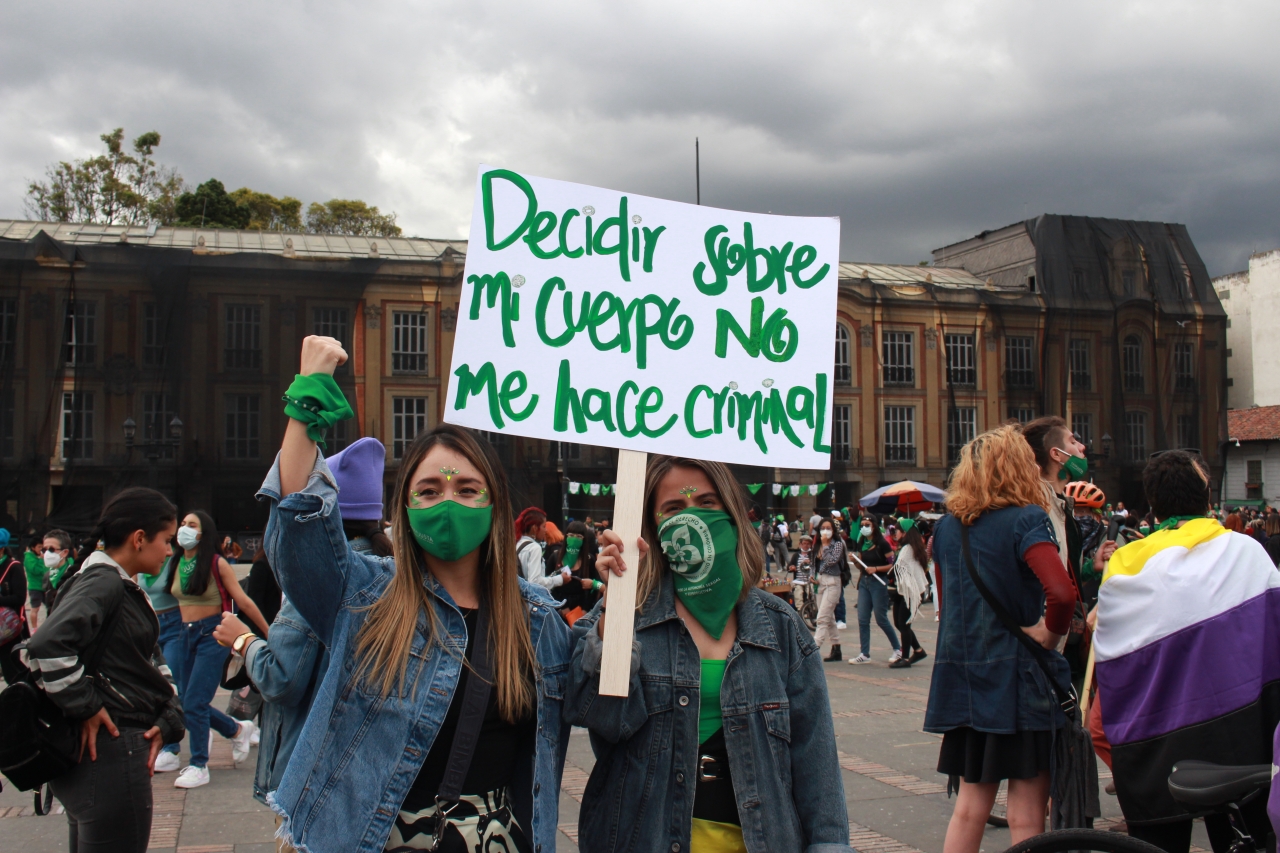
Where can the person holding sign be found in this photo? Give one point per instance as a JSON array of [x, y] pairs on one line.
[[675, 762], [439, 720]]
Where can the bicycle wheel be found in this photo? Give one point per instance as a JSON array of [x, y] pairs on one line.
[[1099, 840]]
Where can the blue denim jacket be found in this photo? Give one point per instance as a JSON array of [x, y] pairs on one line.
[[777, 728], [286, 670], [359, 752]]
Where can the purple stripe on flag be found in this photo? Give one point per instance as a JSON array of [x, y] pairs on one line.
[[1205, 670]]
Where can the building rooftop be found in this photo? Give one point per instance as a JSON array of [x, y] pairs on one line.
[[900, 274], [218, 241], [1260, 423]]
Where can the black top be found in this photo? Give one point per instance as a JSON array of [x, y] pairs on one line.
[[494, 761]]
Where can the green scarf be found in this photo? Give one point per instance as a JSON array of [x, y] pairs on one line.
[[1175, 521], [572, 546], [701, 546], [186, 568], [55, 575]]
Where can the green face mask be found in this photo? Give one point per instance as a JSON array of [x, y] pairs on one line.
[[1074, 468], [701, 546], [449, 531], [572, 546]]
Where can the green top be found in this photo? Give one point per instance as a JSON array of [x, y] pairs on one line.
[[186, 568], [37, 571], [55, 574], [710, 719]]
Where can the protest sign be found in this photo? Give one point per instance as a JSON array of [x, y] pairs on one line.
[[593, 316]]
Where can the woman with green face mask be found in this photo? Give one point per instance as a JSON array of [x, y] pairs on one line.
[[439, 717], [727, 692]]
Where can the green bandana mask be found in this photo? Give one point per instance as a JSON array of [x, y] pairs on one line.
[[449, 531], [701, 546], [572, 546], [1175, 521], [186, 568], [1074, 468]]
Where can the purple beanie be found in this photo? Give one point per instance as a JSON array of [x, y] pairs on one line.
[[358, 470]]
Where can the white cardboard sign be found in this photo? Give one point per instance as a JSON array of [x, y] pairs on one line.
[[599, 317]]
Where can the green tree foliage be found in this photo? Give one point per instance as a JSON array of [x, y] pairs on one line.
[[115, 188], [268, 213], [211, 207], [350, 217]]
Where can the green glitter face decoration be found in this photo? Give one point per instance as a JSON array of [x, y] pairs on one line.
[[688, 491], [449, 472]]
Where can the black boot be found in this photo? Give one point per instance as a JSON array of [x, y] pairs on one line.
[[835, 654]]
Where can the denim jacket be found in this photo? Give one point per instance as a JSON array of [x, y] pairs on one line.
[[359, 752], [777, 728], [286, 670]]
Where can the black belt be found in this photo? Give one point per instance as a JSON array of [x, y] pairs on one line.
[[714, 798]]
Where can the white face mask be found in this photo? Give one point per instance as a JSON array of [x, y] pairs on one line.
[[826, 533], [866, 531], [188, 538], [53, 559]]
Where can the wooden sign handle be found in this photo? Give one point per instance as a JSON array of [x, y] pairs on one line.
[[619, 627]]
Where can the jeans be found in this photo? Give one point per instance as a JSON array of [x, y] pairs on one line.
[[872, 595], [172, 646], [841, 613], [201, 673], [108, 801], [829, 588]]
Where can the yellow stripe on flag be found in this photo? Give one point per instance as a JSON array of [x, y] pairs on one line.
[[1130, 559]]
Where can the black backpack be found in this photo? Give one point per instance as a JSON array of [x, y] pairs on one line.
[[37, 742]]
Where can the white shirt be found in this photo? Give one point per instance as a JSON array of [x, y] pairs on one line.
[[531, 565]]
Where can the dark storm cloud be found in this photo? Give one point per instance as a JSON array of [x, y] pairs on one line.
[[918, 124]]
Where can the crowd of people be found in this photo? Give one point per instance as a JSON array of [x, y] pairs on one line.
[[411, 671]]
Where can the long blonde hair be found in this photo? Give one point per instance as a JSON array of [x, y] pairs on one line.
[[384, 640], [750, 555], [996, 470]]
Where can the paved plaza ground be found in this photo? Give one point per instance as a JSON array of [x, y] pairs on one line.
[[897, 801]]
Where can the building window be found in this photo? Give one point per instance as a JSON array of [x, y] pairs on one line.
[[1133, 373], [841, 445], [77, 425], [899, 360], [243, 426], [500, 443], [572, 451], [409, 342], [244, 338], [1126, 279], [1135, 435], [7, 442], [1184, 367], [1253, 479], [157, 412], [81, 333], [1188, 432], [844, 370], [408, 418], [1082, 428], [8, 330], [1019, 362], [332, 323], [1077, 279], [153, 337], [962, 368], [1022, 414], [962, 426], [1078, 356], [900, 435], [339, 436]]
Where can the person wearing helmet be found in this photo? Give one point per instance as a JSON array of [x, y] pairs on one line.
[[1088, 501]]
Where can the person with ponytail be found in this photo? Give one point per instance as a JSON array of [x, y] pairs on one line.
[[204, 585], [126, 706], [441, 644], [724, 742]]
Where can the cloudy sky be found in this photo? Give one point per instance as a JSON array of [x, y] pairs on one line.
[[918, 123]]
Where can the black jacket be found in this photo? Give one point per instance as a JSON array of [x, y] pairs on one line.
[[13, 588], [132, 680]]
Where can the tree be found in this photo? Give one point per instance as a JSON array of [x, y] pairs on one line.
[[350, 217], [110, 189], [211, 207], [268, 213]]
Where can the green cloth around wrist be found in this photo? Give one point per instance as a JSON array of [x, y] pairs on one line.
[[317, 401]]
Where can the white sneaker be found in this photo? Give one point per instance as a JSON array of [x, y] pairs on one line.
[[192, 777], [860, 659], [897, 656], [257, 736], [240, 743], [167, 762], [840, 626]]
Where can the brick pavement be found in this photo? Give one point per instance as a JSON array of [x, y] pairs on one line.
[[895, 799]]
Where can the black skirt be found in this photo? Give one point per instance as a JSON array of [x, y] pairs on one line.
[[976, 756]]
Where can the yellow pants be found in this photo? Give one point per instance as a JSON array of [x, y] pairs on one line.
[[708, 836]]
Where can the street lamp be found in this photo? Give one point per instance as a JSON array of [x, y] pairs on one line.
[[152, 448]]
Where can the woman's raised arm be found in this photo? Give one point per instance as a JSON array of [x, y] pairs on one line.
[[298, 452]]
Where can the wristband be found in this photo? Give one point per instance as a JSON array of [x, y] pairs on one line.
[[317, 401], [595, 585]]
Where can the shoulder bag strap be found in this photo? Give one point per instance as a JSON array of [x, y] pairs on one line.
[[224, 597], [474, 703], [1066, 699]]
